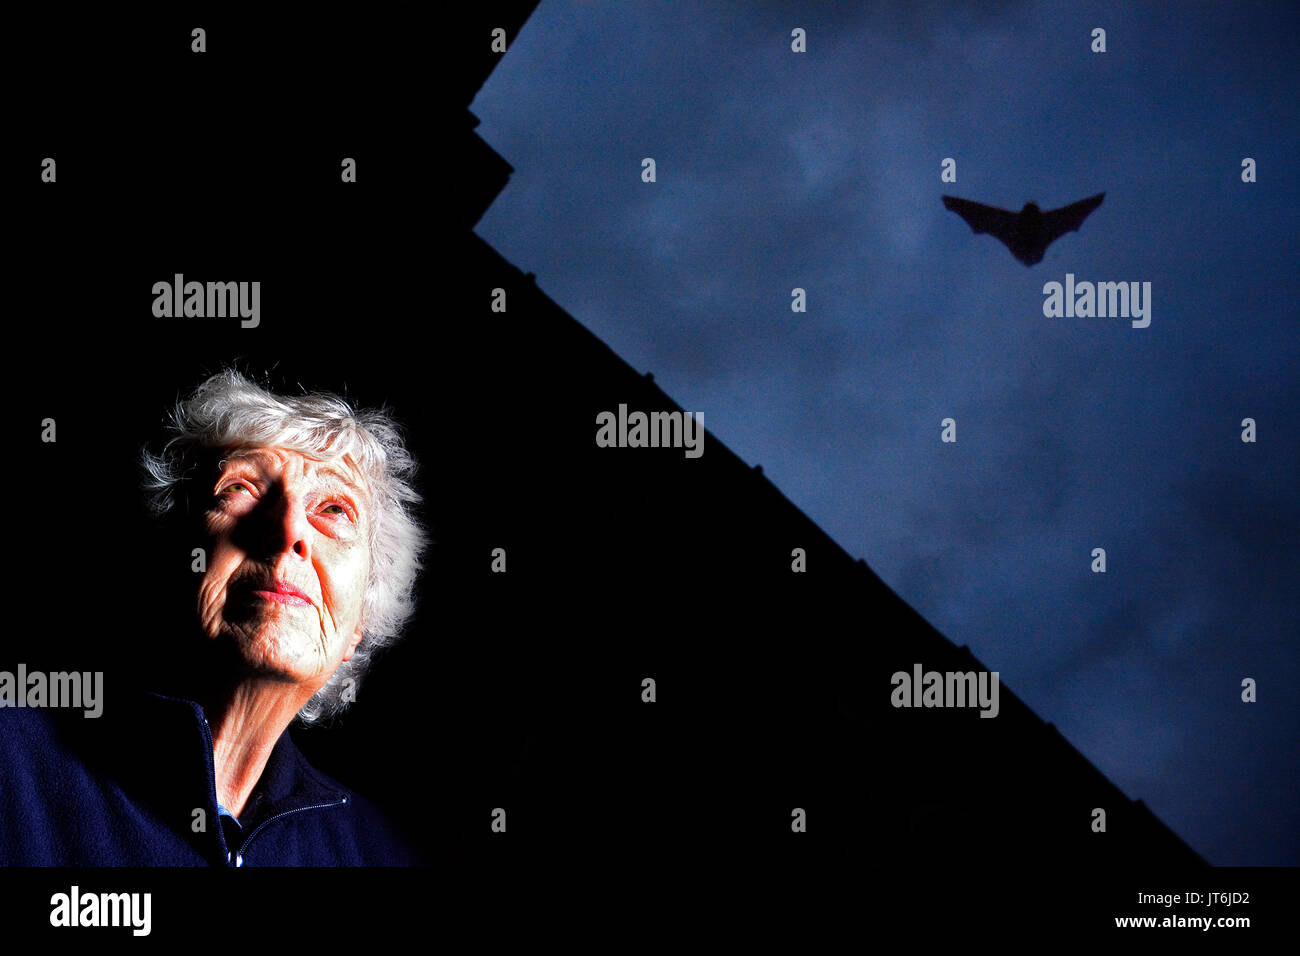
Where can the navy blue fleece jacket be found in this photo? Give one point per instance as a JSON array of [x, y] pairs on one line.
[[123, 790]]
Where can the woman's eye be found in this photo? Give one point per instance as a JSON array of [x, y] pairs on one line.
[[236, 485], [339, 510]]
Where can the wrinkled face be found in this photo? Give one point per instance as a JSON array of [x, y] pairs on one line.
[[288, 557]]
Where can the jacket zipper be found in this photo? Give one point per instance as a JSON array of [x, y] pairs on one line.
[[239, 854], [237, 858]]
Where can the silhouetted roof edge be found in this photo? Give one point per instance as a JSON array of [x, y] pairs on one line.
[[756, 472]]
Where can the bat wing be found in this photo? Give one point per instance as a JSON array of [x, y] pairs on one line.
[[1068, 218], [982, 218]]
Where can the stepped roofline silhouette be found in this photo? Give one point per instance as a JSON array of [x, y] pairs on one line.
[[928, 780]]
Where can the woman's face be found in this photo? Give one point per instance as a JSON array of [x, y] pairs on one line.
[[288, 557]]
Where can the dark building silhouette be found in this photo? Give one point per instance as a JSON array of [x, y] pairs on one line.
[[773, 687]]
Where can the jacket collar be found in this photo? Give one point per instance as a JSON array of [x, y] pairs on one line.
[[288, 782]]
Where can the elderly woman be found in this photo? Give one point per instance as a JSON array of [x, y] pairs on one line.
[[300, 511]]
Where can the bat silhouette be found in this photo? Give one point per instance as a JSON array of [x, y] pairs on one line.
[[1029, 232]]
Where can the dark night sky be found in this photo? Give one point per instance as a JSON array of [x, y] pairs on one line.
[[821, 171]]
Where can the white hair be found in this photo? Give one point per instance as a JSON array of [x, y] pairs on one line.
[[228, 410]]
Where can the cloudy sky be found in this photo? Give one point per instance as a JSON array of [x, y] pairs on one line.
[[821, 171]]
